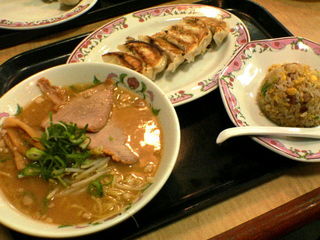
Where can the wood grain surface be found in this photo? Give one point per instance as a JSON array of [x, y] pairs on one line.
[[302, 18], [279, 221]]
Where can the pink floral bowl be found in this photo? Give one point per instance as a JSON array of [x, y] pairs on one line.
[[69, 74], [240, 80]]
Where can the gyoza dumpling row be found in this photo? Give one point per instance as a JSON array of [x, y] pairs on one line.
[[167, 49]]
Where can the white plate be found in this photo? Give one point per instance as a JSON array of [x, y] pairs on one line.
[[190, 81], [241, 79], [33, 14]]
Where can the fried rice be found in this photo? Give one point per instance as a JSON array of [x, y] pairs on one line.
[[290, 95]]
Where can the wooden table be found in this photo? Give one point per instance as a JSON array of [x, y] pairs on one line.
[[302, 18]]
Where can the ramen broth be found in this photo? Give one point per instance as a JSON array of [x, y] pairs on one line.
[[29, 194]]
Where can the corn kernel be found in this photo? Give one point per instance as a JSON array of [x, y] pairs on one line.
[[314, 78], [298, 81], [291, 91], [283, 77]]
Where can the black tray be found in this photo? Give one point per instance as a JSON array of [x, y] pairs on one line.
[[103, 9], [205, 173]]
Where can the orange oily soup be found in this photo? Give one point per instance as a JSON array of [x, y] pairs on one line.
[[109, 189]]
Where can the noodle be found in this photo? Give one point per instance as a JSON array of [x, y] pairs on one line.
[[81, 184], [96, 165], [5, 174]]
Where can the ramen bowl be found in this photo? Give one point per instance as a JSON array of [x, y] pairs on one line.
[[70, 74]]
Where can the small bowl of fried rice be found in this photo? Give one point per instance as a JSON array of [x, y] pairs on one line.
[[289, 95], [276, 82]]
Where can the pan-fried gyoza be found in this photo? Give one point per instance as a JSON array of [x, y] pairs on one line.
[[70, 2], [79, 153], [168, 49]]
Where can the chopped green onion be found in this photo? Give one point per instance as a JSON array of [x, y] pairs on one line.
[[95, 188], [107, 179], [77, 140], [62, 181], [146, 187], [265, 88], [34, 153], [65, 146], [30, 170], [85, 143], [4, 160], [19, 110], [58, 172], [96, 81], [155, 111]]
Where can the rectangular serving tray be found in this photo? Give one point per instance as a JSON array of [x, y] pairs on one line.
[[205, 173]]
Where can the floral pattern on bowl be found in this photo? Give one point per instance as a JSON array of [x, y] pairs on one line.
[[53, 16], [138, 86], [240, 81], [190, 81]]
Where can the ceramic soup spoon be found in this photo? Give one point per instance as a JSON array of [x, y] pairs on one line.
[[268, 131]]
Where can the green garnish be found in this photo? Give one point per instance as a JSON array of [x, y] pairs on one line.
[[44, 206], [64, 146], [95, 188], [96, 223], [4, 160], [30, 170], [96, 81], [19, 110], [128, 207], [155, 111], [265, 88], [34, 154], [64, 226], [146, 187]]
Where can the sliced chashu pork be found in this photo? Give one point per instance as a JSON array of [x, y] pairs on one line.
[[114, 142], [18, 142], [56, 94], [90, 108]]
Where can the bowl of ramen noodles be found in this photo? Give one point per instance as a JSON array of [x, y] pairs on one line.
[[83, 147]]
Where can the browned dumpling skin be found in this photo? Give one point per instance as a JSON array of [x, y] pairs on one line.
[[166, 50], [154, 58], [126, 60], [69, 2], [175, 54]]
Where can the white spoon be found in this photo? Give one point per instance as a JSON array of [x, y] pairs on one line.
[[268, 131]]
